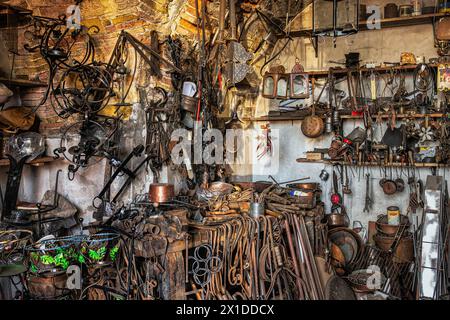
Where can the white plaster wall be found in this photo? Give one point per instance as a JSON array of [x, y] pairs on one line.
[[88, 182], [377, 46]]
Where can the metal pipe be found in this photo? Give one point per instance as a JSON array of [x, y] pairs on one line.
[[296, 267]]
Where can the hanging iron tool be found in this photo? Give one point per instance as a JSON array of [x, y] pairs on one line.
[[346, 185], [368, 200], [236, 67], [99, 201], [20, 148]]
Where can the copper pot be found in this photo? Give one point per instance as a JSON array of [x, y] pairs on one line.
[[405, 248], [336, 220], [161, 192], [385, 228], [49, 286], [443, 29]]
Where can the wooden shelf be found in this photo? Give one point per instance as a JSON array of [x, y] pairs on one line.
[[352, 117], [400, 116], [385, 24], [23, 83], [344, 71], [36, 162], [403, 21], [13, 16], [371, 164], [281, 118]]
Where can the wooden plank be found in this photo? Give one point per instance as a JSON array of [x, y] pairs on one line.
[[344, 71], [173, 285], [22, 83], [385, 24], [350, 117], [371, 164], [400, 116], [35, 162], [403, 21]]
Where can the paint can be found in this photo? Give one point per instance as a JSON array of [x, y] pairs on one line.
[[393, 215]]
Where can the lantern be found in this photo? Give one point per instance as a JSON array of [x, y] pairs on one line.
[[335, 18]]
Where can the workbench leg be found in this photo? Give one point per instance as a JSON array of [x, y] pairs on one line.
[[173, 279]]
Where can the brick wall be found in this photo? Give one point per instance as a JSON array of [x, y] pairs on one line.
[[138, 17]]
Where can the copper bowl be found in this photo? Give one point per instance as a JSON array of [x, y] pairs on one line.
[[390, 229], [161, 192], [404, 252]]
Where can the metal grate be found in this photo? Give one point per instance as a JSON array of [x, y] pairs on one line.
[[399, 276]]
